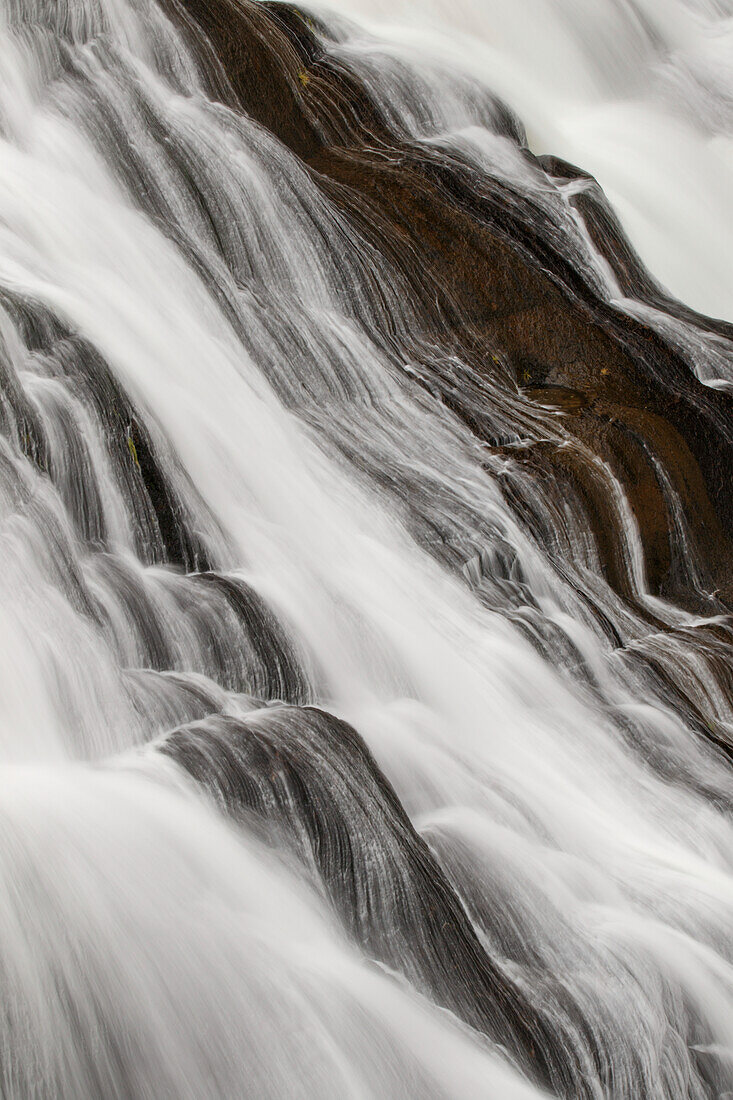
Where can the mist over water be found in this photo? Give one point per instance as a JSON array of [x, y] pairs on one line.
[[350, 745]]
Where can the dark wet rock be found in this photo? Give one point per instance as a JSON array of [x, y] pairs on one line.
[[305, 781], [485, 276]]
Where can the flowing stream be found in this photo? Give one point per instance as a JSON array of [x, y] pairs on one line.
[[233, 531]]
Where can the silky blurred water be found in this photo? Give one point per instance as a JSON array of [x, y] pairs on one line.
[[150, 948]]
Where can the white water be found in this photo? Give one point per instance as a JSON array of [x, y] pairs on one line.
[[637, 92], [127, 899]]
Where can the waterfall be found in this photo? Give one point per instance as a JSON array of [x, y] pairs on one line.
[[367, 543], [638, 92]]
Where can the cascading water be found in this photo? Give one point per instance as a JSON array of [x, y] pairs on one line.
[[638, 92], [367, 681]]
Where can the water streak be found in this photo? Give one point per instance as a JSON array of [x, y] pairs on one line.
[[341, 755]]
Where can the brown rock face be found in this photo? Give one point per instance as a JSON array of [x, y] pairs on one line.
[[486, 280], [601, 412], [598, 401]]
